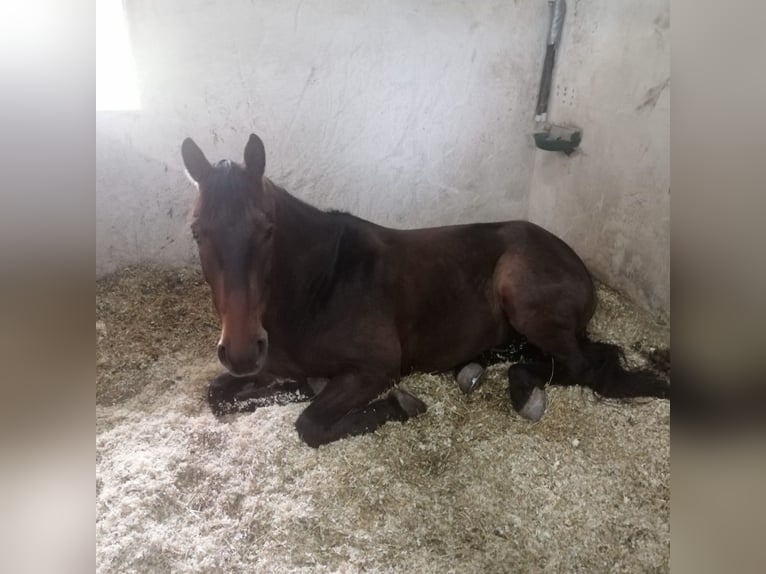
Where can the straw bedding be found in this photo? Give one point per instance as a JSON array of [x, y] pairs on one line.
[[467, 487]]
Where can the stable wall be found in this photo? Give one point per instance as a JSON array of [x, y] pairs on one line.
[[406, 113], [611, 200]]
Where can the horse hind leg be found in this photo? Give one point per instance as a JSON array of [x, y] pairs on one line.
[[596, 365], [565, 364], [610, 379], [526, 386], [470, 375], [577, 360]]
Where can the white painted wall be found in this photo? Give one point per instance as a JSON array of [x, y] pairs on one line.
[[407, 113], [611, 201]]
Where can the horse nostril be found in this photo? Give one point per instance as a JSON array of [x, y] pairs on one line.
[[222, 354], [261, 345]]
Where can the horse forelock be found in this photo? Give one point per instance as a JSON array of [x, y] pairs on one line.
[[227, 195]]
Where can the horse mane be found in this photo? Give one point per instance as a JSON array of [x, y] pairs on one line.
[[351, 255], [340, 247]]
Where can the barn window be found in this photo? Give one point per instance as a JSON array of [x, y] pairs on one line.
[[116, 87]]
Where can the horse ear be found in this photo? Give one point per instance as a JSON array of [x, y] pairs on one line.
[[195, 161], [255, 156]]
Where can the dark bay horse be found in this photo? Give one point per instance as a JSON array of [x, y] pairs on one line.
[[343, 307]]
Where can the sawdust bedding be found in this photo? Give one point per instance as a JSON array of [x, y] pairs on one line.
[[467, 487]]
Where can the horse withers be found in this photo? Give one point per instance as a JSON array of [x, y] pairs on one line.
[[341, 307]]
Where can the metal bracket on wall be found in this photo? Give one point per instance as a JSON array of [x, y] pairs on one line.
[[550, 137]]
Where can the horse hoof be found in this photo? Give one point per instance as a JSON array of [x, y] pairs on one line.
[[469, 378], [410, 404], [534, 408]]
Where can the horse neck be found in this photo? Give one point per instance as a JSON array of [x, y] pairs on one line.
[[304, 245], [304, 241], [297, 224]]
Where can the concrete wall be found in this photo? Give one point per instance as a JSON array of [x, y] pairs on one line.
[[407, 113], [611, 201]]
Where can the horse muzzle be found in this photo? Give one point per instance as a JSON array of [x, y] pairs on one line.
[[243, 360]]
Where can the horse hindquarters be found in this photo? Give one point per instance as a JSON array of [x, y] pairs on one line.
[[549, 297]]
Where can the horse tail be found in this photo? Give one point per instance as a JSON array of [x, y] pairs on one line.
[[607, 376]]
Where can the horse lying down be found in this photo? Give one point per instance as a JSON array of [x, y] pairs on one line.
[[340, 307]]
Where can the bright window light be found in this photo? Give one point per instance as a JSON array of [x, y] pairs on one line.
[[26, 25], [116, 87]]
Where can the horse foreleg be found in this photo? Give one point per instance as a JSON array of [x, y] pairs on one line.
[[343, 408], [229, 394]]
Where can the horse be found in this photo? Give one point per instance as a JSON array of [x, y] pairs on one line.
[[336, 308]]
